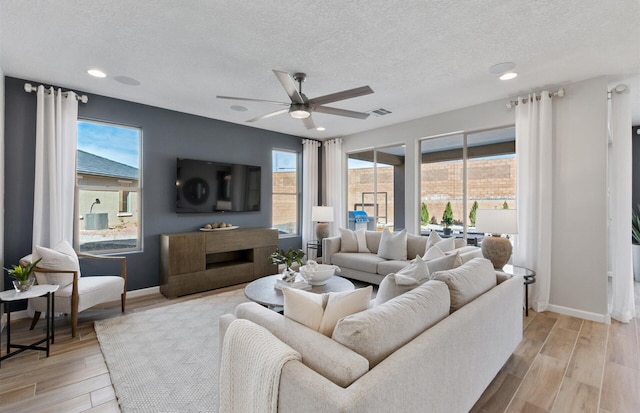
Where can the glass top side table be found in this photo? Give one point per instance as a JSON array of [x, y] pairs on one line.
[[529, 278], [9, 296]]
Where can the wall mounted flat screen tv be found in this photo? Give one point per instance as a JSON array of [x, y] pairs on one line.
[[207, 187]]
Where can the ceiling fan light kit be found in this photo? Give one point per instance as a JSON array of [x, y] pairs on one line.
[[301, 107]]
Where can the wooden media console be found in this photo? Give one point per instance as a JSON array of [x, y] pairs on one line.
[[192, 262]]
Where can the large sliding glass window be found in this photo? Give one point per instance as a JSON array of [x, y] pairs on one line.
[[466, 171], [108, 188], [376, 186], [285, 192]]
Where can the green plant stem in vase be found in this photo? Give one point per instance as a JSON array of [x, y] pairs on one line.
[[22, 275], [287, 259]]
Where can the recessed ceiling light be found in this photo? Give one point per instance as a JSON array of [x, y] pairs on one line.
[[501, 68], [96, 73], [239, 108], [508, 76], [320, 128], [126, 80]]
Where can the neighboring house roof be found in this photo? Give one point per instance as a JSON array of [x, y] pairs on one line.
[[91, 164]]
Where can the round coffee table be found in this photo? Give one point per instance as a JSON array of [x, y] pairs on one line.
[[263, 290]]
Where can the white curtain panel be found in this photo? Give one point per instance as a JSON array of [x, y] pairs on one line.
[[54, 189], [334, 186], [310, 149], [534, 151], [622, 306]]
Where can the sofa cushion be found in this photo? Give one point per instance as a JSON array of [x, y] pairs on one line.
[[433, 253], [362, 262], [468, 281], [390, 287], [393, 246], [432, 240], [409, 277], [381, 330], [388, 266], [416, 245], [321, 312], [468, 256], [462, 250], [373, 240], [329, 358], [353, 241], [60, 257]]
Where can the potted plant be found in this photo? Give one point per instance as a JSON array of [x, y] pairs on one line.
[[635, 232], [22, 275], [287, 259], [447, 219]]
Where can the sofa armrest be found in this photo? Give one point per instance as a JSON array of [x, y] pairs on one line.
[[319, 352], [330, 246]]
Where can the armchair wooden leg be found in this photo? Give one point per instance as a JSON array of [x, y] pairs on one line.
[[36, 317], [123, 300]]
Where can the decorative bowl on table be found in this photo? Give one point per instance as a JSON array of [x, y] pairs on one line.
[[318, 274]]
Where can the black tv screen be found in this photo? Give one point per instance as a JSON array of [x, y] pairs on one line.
[[207, 186]]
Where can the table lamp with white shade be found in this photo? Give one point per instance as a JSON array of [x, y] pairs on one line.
[[496, 248], [322, 215]]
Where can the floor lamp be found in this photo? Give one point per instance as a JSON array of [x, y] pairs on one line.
[[497, 222]]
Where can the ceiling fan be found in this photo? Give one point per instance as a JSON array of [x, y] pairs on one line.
[[301, 107]]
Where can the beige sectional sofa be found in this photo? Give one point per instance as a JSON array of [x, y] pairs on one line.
[[369, 267], [408, 354]]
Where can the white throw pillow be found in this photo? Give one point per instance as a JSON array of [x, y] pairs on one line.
[[60, 257], [393, 246], [321, 312], [408, 278], [433, 239], [433, 253], [353, 241]]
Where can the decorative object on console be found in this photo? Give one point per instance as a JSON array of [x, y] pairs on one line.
[[287, 258], [22, 275], [322, 215], [497, 222], [318, 274]]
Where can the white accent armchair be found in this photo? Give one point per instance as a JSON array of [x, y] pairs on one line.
[[77, 293]]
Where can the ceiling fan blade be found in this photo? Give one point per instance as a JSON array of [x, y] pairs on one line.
[[345, 94], [289, 86], [253, 100], [269, 115], [309, 123], [341, 112]]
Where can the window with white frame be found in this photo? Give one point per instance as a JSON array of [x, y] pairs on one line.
[[285, 192], [108, 172]]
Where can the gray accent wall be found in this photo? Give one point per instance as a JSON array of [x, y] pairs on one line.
[[166, 135]]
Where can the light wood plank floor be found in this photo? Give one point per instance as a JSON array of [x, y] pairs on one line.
[[563, 364]]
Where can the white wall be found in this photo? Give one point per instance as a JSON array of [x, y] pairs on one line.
[[579, 261], [579, 283], [2, 174]]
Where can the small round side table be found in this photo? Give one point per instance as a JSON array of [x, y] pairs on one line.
[[9, 296], [529, 278]]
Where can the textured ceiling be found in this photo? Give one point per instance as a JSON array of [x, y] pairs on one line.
[[420, 57]]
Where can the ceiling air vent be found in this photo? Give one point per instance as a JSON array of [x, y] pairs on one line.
[[381, 112]]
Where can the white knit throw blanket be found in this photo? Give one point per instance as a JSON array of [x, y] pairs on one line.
[[252, 360]]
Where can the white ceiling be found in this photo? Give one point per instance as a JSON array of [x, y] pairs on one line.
[[420, 57]]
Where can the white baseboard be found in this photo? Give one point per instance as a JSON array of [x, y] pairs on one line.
[[143, 291], [17, 315], [586, 315]]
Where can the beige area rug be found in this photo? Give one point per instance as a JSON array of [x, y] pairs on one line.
[[166, 359]]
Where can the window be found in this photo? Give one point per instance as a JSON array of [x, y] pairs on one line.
[[285, 192], [466, 171], [108, 188], [375, 182]]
